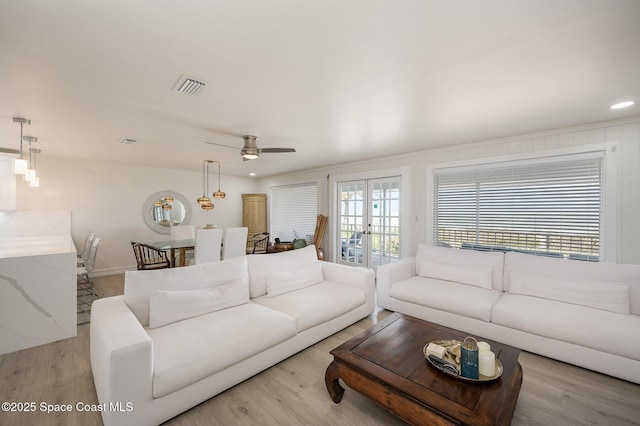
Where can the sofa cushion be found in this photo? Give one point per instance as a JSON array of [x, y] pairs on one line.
[[261, 265], [467, 258], [446, 296], [140, 285], [167, 306], [577, 270], [316, 304], [613, 297], [187, 351], [479, 276], [593, 328], [286, 281]]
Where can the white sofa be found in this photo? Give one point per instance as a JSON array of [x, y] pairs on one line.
[[179, 336], [583, 313]]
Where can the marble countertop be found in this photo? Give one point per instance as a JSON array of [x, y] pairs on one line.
[[35, 246]]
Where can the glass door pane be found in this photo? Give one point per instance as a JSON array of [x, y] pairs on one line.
[[384, 221], [351, 223]]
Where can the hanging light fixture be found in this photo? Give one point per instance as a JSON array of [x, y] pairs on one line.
[[219, 194], [20, 165], [30, 173], [35, 182], [204, 201]]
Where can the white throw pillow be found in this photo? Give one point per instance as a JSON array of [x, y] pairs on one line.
[[285, 281], [168, 306], [608, 296], [479, 276]]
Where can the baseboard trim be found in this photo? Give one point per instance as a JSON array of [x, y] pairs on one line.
[[112, 271]]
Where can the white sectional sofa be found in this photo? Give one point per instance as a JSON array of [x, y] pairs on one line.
[[179, 336], [583, 313]]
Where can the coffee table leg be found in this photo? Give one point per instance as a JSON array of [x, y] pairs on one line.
[[332, 382]]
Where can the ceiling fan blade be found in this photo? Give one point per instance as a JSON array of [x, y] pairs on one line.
[[277, 150], [226, 146]]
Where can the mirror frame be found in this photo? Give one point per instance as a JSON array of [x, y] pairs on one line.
[[148, 205]]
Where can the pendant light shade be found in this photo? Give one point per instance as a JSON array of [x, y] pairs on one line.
[[30, 173], [219, 194], [204, 201], [20, 165]]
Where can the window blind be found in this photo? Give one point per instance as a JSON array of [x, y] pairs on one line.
[[550, 206], [294, 211]]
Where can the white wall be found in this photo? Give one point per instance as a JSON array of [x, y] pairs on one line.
[[107, 198], [625, 133]]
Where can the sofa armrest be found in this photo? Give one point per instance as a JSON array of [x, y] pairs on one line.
[[362, 278], [122, 362], [391, 273]]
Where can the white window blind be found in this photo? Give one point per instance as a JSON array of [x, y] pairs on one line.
[[550, 206], [294, 211]]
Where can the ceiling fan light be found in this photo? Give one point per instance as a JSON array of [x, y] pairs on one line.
[[250, 154]]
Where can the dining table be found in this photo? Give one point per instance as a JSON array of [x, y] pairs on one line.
[[172, 245]]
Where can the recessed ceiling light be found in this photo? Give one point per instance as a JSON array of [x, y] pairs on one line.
[[252, 174], [622, 104]]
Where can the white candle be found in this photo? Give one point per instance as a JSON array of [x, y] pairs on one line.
[[483, 346], [487, 363]]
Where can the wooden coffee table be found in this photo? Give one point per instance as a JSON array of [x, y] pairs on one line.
[[386, 364]]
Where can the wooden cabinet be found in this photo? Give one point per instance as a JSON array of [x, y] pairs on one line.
[[254, 213]]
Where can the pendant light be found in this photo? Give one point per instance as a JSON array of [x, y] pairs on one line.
[[30, 173], [204, 201], [35, 182], [219, 194], [20, 165]]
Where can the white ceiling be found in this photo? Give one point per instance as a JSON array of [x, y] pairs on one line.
[[338, 80]]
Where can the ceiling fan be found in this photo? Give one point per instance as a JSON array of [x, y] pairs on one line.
[[250, 150]]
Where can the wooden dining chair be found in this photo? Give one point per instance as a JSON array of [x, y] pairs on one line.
[[148, 257]]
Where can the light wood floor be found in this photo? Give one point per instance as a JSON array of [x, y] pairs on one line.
[[293, 391]]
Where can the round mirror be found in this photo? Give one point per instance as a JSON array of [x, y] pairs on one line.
[[165, 209]]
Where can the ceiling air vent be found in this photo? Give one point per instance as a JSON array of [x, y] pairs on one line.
[[127, 141], [189, 86]]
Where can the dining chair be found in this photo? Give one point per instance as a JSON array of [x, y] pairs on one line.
[[207, 246], [148, 257], [257, 244], [85, 293], [84, 254], [182, 232], [235, 242]]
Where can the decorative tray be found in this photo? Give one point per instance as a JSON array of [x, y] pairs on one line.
[[451, 364]]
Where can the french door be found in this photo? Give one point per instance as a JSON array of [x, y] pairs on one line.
[[369, 221]]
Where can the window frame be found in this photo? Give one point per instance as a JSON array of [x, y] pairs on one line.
[[609, 208]]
